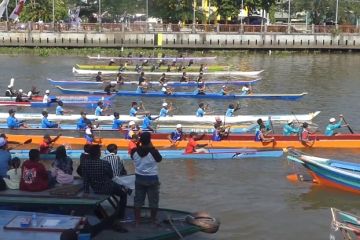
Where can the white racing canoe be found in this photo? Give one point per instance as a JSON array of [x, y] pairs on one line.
[[174, 119], [220, 73], [177, 59]]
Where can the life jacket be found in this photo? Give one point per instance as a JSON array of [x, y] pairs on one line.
[[216, 136], [176, 135]]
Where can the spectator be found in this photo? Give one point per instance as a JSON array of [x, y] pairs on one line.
[[63, 167]]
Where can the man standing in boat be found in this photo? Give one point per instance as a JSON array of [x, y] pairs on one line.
[[146, 158]]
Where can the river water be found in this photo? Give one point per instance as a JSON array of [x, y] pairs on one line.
[[252, 197]]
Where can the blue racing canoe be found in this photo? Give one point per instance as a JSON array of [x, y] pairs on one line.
[[214, 154], [291, 97], [153, 83]]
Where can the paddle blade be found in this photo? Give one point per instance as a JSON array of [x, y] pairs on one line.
[[28, 141], [293, 177]]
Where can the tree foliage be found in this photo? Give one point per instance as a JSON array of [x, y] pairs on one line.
[[36, 10]]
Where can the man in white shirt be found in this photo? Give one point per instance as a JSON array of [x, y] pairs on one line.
[[46, 98]]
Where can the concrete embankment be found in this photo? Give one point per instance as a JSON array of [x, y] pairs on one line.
[[183, 40]]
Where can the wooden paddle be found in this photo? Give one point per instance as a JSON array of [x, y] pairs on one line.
[[272, 126], [28, 141], [347, 125]]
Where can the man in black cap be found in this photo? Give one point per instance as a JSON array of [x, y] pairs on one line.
[[145, 158]]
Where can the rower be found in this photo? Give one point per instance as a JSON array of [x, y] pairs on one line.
[[191, 62], [122, 68], [176, 135], [289, 128], [184, 78], [100, 109], [162, 79], [146, 126], [220, 130], [166, 90], [89, 135], [47, 144], [10, 92], [201, 110], [245, 90], [111, 63], [267, 124], [119, 78], [161, 62], [20, 96], [133, 130], [46, 98], [46, 123], [98, 77], [81, 124], [330, 128], [134, 109], [193, 147], [202, 68], [13, 122], [141, 78], [200, 77], [164, 110], [117, 123], [110, 87], [304, 134], [225, 90], [138, 68], [261, 135], [142, 87], [231, 109], [59, 109], [201, 88], [168, 68], [181, 68]]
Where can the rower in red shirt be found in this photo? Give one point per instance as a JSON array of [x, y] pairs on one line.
[[47, 144], [193, 147]]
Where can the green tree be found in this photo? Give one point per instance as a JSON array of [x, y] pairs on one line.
[[36, 10]]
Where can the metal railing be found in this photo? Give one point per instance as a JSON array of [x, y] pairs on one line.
[[142, 27]]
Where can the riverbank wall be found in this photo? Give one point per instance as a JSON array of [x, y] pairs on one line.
[[247, 41]]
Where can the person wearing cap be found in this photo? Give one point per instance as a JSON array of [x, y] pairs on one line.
[[111, 62], [46, 146], [5, 158], [46, 98], [34, 176], [20, 96], [225, 90], [117, 123], [330, 128], [289, 128], [184, 77], [100, 109], [46, 123], [176, 135], [10, 92], [246, 89], [220, 130], [146, 126], [133, 130], [167, 90], [165, 110], [110, 87], [98, 77], [231, 109], [146, 158], [193, 147], [13, 122], [81, 124], [261, 135]]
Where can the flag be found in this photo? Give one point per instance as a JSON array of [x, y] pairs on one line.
[[3, 6], [16, 12]]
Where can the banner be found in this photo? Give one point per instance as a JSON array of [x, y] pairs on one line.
[[3, 6], [16, 13]]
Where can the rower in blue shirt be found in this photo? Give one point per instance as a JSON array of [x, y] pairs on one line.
[[13, 122], [176, 135], [164, 110], [201, 88], [231, 109], [99, 109], [289, 128], [261, 135], [146, 126], [45, 123], [142, 88], [330, 128], [225, 90], [267, 124], [246, 89], [82, 122], [134, 110], [117, 123], [59, 109], [201, 110]]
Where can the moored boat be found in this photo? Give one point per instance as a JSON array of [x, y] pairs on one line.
[[209, 119], [329, 172], [153, 83], [346, 222], [217, 73], [275, 96], [233, 141]]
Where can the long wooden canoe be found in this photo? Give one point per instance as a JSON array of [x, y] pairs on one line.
[[207, 68], [243, 141], [153, 83], [217, 73], [209, 119], [267, 96], [167, 58]]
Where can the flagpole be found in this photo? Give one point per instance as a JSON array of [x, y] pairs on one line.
[[53, 15]]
